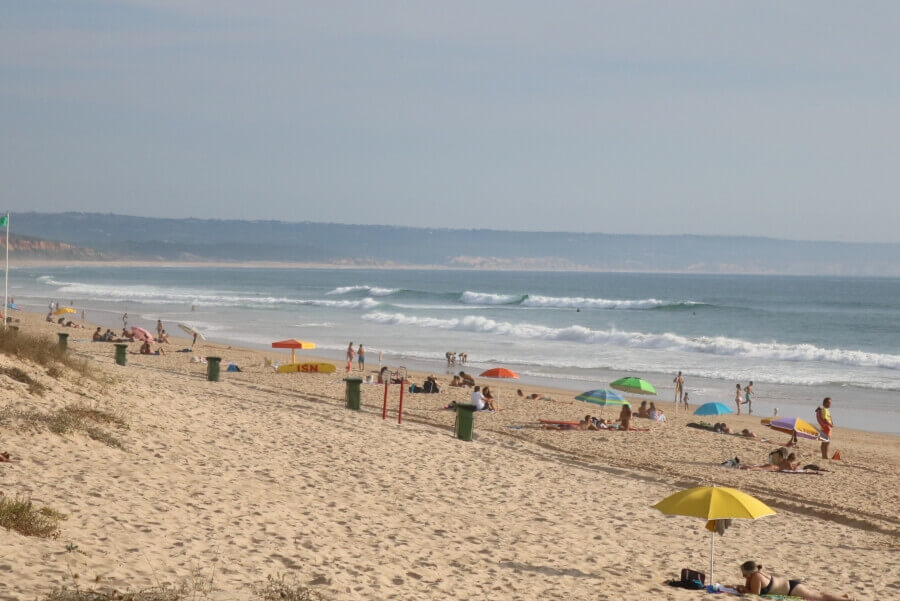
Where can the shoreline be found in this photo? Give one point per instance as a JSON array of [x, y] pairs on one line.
[[799, 397]]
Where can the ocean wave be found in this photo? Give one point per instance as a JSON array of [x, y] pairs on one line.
[[713, 345], [169, 296], [372, 290], [487, 298], [578, 302]]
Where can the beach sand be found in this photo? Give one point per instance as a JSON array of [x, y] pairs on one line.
[[264, 473]]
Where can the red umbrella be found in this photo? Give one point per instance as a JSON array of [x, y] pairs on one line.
[[142, 334], [499, 372]]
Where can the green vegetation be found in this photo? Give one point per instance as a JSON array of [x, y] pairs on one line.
[[22, 516], [43, 352], [73, 418]]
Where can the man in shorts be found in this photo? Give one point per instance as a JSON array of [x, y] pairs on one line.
[[823, 416], [361, 357]]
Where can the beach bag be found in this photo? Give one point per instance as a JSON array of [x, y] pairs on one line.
[[693, 576]]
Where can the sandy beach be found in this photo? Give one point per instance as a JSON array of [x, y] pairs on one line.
[[263, 473]]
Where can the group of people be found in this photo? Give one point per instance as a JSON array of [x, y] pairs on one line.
[[484, 399], [462, 380], [453, 357], [651, 412], [360, 355]]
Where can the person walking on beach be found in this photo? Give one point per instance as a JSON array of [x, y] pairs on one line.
[[738, 398], [823, 416], [124, 321], [748, 393], [679, 388], [361, 357], [350, 354]]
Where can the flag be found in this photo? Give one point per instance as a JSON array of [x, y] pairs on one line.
[[4, 221]]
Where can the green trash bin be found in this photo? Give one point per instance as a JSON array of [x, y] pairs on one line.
[[120, 353], [465, 421], [63, 340], [212, 368], [352, 393]]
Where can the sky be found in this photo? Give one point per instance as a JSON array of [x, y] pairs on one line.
[[776, 119]]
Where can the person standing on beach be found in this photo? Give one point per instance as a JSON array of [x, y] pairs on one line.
[[684, 401], [124, 321], [748, 393], [823, 416], [361, 357], [679, 388], [738, 398], [159, 328], [350, 354]]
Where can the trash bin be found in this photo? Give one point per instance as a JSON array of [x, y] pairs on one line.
[[352, 393], [120, 353], [465, 421], [212, 368], [63, 340]]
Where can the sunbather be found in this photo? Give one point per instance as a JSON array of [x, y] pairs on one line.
[[788, 464], [643, 410], [759, 582], [467, 380], [625, 418], [489, 399]]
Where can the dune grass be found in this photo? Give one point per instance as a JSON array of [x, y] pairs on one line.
[[21, 515], [272, 589], [40, 350], [69, 419]]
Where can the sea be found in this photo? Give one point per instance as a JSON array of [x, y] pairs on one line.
[[798, 339]]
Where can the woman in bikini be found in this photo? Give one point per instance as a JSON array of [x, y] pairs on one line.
[[761, 583], [738, 398]]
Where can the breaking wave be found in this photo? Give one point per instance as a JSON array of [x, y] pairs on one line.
[[713, 345], [373, 290]]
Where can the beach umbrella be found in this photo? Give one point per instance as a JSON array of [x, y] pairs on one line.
[[193, 331], [142, 334], [633, 385], [294, 344], [64, 310], [793, 425], [713, 409], [603, 398], [499, 372], [714, 503]]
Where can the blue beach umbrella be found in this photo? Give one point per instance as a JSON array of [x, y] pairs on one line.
[[713, 409], [602, 397]]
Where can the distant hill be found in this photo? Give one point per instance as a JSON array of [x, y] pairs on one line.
[[130, 237], [30, 247]]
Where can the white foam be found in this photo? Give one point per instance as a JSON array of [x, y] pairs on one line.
[[573, 302], [717, 345], [486, 298], [372, 290], [160, 295]]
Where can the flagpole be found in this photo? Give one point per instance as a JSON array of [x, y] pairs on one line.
[[6, 277]]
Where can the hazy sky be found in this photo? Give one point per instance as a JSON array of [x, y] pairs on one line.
[[762, 118]]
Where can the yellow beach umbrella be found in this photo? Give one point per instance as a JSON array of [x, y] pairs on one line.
[[714, 503], [64, 310]]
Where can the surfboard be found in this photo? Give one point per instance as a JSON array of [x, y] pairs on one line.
[[307, 368]]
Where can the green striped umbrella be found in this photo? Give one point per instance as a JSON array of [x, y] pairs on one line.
[[633, 385]]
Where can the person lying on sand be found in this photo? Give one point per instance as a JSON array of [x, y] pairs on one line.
[[788, 464], [587, 423], [758, 582], [535, 396]]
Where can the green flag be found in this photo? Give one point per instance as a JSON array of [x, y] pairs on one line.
[[4, 221]]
